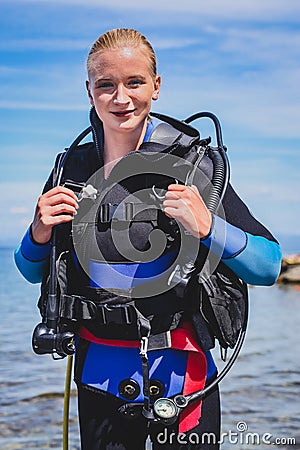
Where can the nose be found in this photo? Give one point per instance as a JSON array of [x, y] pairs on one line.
[[121, 95]]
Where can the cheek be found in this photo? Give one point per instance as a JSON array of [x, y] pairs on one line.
[[147, 98], [100, 101]]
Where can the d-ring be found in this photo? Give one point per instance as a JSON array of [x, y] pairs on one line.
[[158, 196]]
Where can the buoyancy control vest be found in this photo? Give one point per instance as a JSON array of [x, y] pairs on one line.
[[121, 224], [125, 209]]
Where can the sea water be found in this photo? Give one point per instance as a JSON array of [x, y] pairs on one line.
[[260, 395]]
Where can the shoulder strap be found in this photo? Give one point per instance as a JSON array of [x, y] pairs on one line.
[[179, 125], [172, 132]]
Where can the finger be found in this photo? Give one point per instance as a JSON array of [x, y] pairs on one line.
[[183, 189], [63, 208], [195, 189], [63, 218], [183, 202], [172, 195], [60, 190], [186, 218], [61, 198], [176, 187], [170, 212]]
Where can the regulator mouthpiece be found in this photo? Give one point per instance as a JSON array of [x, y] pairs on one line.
[[46, 340]]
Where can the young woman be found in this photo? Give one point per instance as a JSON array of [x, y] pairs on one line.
[[122, 83]]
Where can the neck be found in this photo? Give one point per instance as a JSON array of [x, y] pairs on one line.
[[117, 145]]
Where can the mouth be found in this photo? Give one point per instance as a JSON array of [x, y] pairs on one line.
[[124, 113]]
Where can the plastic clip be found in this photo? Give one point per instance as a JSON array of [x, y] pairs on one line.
[[144, 346]]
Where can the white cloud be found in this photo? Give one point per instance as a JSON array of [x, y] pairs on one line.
[[52, 44], [62, 45], [260, 10], [18, 210], [46, 88], [17, 206], [47, 106], [259, 45]]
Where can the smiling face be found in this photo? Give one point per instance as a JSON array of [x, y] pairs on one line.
[[121, 87]]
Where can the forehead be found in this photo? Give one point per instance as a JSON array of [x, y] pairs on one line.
[[120, 59]]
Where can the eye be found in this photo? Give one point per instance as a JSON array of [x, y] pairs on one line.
[[104, 85], [136, 82]]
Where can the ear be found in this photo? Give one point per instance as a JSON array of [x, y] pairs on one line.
[[87, 84], [156, 87]]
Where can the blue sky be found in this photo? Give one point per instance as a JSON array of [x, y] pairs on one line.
[[240, 60]]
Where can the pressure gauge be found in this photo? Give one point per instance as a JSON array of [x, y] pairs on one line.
[[165, 408]]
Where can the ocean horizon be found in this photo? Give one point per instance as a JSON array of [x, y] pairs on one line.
[[290, 243]]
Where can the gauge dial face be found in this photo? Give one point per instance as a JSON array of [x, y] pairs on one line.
[[165, 408]]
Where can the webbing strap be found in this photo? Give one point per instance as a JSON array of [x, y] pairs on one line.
[[145, 373], [78, 308], [127, 212], [144, 329]]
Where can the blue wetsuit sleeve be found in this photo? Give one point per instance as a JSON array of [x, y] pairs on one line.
[[225, 240], [255, 259], [258, 263], [30, 258]]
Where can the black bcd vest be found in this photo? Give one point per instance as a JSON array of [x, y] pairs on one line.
[[215, 303]]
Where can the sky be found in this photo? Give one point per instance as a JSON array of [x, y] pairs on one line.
[[239, 60]]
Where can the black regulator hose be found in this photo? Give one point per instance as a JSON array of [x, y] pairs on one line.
[[213, 117], [221, 172], [218, 183]]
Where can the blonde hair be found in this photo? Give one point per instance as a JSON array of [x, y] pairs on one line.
[[120, 38]]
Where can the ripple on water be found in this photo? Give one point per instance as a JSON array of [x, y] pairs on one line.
[[261, 389]]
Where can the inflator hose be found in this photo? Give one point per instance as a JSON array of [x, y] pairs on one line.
[[67, 403], [217, 192]]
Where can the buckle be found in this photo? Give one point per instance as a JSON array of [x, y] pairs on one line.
[[106, 211], [144, 346], [123, 212], [117, 314]]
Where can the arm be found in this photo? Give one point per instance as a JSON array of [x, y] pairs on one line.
[[31, 258], [242, 242], [255, 259]]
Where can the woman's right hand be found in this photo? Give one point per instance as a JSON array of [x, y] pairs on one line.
[[56, 206]]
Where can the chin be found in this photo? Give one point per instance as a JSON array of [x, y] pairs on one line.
[[131, 124]]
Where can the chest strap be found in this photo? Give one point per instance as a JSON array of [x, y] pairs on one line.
[[127, 212]]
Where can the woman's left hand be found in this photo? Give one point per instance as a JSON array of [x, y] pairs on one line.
[[185, 204]]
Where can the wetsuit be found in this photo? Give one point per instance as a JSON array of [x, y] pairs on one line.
[[101, 364]]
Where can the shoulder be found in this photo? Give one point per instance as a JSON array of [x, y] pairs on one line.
[[82, 162]]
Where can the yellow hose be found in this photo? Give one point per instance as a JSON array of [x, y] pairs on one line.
[[67, 403]]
